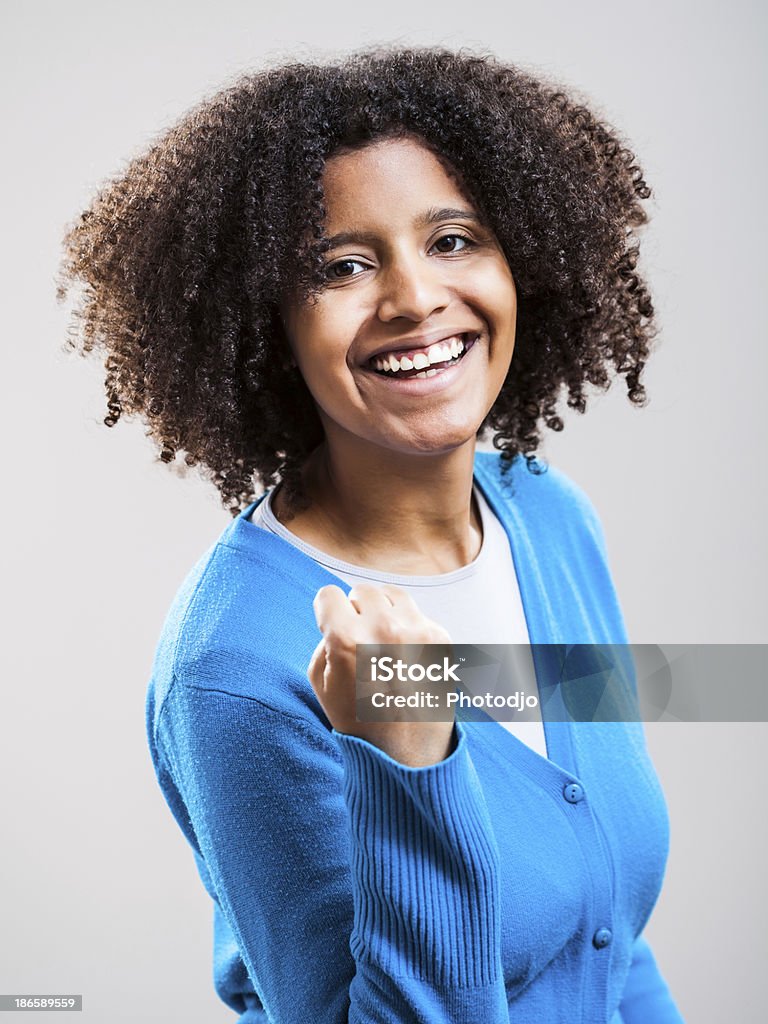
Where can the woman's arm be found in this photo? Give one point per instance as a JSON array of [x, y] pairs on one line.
[[646, 998], [357, 888]]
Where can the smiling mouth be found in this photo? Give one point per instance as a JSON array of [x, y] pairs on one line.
[[427, 362]]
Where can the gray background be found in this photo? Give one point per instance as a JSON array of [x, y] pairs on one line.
[[99, 890]]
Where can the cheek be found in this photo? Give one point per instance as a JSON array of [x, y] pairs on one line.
[[504, 294], [493, 291], [306, 331], [319, 340]]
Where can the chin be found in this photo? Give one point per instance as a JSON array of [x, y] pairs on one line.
[[439, 443]]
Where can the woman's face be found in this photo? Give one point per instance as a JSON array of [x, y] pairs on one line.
[[412, 274]]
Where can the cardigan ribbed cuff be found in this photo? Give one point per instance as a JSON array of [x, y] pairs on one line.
[[424, 865]]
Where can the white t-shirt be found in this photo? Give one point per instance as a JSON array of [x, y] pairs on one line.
[[477, 604]]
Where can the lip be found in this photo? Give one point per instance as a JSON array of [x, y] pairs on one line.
[[428, 385], [420, 341]]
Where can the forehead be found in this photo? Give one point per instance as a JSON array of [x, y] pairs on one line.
[[386, 178]]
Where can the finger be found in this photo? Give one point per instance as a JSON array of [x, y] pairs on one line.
[[333, 610], [316, 668], [408, 613], [401, 600], [369, 597]]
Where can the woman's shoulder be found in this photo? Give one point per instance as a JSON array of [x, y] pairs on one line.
[[242, 622], [539, 491]]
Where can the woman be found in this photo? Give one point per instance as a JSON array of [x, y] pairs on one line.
[[319, 278]]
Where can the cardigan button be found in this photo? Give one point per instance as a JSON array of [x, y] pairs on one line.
[[573, 793], [602, 938]]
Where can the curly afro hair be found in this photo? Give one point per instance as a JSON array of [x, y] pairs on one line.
[[183, 259]]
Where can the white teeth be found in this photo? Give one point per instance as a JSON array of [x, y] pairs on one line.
[[440, 352], [387, 363]]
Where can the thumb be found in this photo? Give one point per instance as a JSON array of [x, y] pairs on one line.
[[316, 668]]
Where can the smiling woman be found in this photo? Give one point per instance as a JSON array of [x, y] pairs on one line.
[[398, 299], [332, 280]]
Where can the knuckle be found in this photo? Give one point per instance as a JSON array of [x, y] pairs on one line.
[[339, 642], [320, 596], [391, 631]]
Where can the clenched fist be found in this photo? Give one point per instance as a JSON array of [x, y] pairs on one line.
[[373, 615]]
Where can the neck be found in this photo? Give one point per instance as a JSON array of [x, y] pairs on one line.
[[391, 511]]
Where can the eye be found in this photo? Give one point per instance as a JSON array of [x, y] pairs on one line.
[[342, 270], [452, 243]]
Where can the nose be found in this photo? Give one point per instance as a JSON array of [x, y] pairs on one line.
[[412, 287]]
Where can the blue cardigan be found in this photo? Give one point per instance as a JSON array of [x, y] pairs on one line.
[[494, 887]]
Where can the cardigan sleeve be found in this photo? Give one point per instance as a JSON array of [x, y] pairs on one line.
[[646, 998], [356, 889]]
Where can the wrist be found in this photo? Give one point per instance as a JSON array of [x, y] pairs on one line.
[[414, 747]]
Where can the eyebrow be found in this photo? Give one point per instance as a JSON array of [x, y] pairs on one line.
[[432, 216]]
